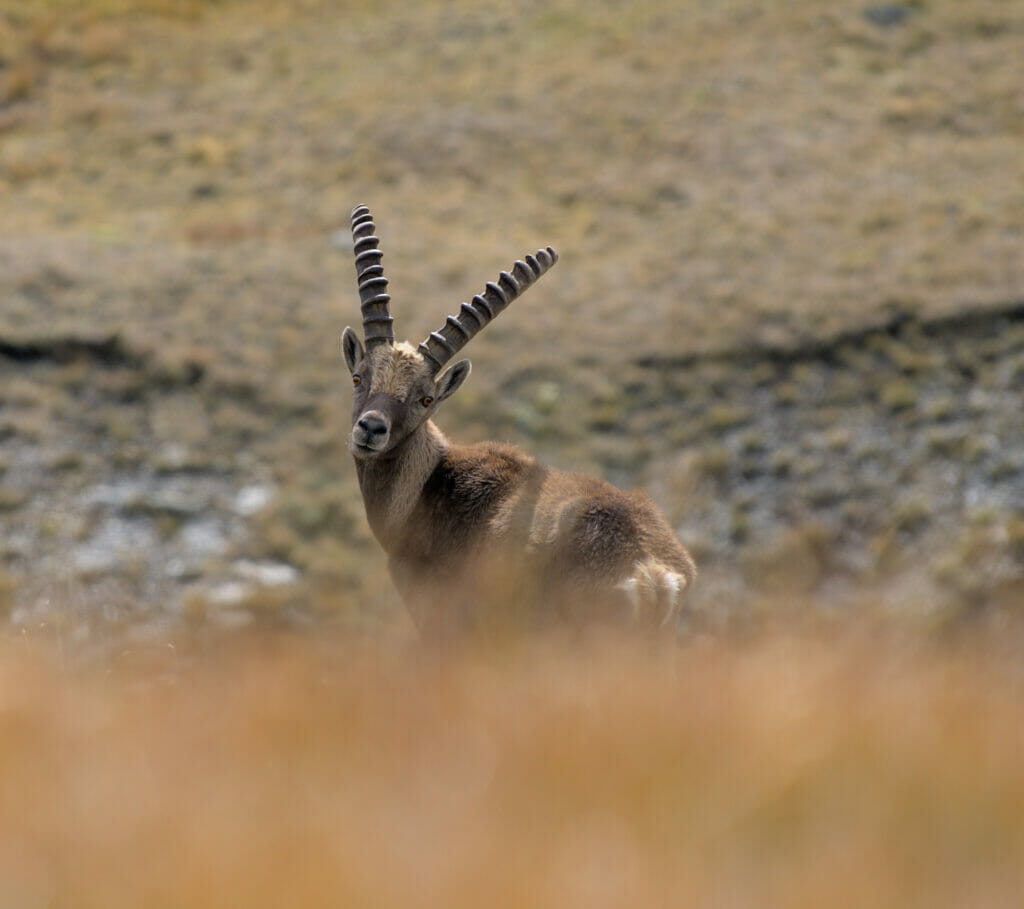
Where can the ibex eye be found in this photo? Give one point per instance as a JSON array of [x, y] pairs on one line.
[[427, 401], [356, 380]]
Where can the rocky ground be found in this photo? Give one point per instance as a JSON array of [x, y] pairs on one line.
[[876, 460], [879, 459]]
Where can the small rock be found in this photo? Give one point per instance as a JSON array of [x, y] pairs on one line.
[[252, 499], [887, 15], [266, 574], [172, 456], [175, 568], [177, 502], [229, 593], [116, 544], [114, 495], [204, 538]]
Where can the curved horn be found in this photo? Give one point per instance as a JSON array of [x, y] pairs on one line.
[[373, 286], [440, 346]]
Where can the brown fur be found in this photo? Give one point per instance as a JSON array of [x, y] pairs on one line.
[[483, 535], [395, 369]]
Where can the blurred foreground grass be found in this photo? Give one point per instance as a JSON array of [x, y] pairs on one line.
[[842, 766]]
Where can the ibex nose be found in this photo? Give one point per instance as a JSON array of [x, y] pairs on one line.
[[373, 423]]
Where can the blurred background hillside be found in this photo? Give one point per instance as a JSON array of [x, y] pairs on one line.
[[790, 302]]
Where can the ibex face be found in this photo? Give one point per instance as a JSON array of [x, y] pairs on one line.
[[398, 387], [394, 393]]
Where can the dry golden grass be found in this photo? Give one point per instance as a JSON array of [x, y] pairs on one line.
[[836, 767]]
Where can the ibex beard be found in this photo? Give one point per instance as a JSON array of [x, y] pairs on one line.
[[483, 536]]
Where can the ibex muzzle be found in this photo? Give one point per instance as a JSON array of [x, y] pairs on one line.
[[371, 434], [478, 529]]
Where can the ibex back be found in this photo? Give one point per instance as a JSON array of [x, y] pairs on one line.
[[484, 535]]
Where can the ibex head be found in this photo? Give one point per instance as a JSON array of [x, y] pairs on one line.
[[398, 387]]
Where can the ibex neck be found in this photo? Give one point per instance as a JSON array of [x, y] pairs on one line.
[[391, 487]]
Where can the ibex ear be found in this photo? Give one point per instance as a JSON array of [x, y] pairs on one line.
[[451, 379], [352, 348]]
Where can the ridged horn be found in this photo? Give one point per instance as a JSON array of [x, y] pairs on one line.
[[373, 286], [440, 346]]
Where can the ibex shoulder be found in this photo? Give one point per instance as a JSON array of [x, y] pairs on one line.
[[471, 480]]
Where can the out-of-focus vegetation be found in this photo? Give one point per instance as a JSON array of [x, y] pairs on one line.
[[787, 769]]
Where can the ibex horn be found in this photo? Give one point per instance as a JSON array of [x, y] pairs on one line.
[[440, 346], [373, 286]]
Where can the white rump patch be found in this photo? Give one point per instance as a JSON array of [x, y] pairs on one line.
[[654, 593], [674, 584]]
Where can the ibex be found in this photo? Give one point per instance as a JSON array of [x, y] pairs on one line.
[[478, 534]]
